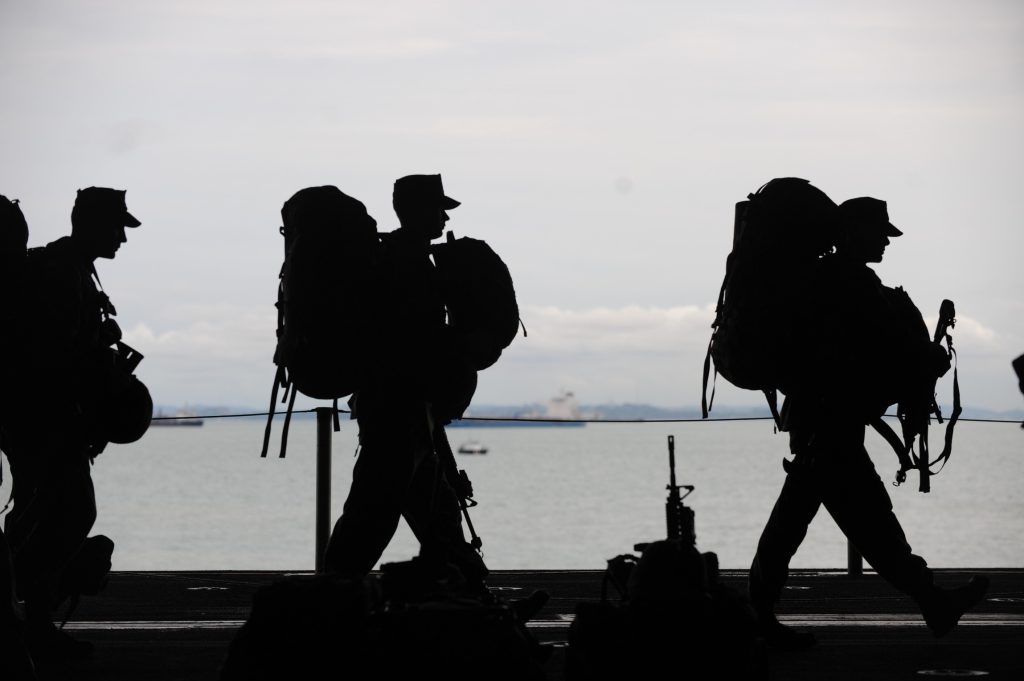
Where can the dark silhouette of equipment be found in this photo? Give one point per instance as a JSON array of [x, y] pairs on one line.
[[460, 482], [915, 421], [679, 518]]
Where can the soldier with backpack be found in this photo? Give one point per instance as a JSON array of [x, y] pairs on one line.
[[861, 347], [78, 394], [414, 381]]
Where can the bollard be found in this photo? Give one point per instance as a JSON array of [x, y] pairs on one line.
[[324, 430], [854, 562]]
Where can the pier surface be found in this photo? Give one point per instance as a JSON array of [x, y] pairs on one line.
[[159, 626]]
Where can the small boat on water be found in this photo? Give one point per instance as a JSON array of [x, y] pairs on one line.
[[472, 447]]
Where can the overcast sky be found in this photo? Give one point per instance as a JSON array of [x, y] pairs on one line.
[[598, 146]]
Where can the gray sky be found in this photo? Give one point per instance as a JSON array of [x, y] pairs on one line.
[[598, 146]]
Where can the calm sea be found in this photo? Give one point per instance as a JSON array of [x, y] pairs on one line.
[[202, 498]]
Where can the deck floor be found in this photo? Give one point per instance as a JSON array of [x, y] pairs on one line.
[[164, 626]]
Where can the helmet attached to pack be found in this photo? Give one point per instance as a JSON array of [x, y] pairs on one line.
[[127, 412]]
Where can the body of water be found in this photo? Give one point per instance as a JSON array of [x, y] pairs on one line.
[[549, 498]]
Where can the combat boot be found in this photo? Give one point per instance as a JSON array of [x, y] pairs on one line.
[[943, 608]]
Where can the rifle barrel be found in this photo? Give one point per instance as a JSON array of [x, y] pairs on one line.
[[672, 461]]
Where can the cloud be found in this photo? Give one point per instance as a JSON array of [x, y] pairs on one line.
[[222, 354], [633, 328]]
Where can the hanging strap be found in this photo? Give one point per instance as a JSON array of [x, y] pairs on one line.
[[279, 379], [947, 448], [902, 451], [772, 395], [287, 418], [705, 403]]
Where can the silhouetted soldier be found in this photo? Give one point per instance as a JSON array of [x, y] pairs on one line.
[[860, 350], [398, 473], [65, 355]]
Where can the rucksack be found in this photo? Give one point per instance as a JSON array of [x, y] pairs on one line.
[[480, 298], [779, 233], [324, 298]]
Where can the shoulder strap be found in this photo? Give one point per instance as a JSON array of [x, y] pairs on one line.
[[902, 450]]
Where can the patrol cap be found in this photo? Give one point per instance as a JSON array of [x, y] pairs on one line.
[[865, 210], [104, 203], [423, 190]]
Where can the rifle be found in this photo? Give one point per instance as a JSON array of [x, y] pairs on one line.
[[915, 419], [459, 481], [678, 516]]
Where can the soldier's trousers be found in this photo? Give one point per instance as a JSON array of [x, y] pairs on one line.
[[832, 468], [396, 475], [54, 509]]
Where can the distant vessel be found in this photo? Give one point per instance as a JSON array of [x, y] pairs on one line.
[[472, 447], [561, 411], [183, 417]]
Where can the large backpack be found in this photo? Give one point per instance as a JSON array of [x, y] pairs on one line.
[[483, 319], [480, 298], [324, 298], [779, 233]]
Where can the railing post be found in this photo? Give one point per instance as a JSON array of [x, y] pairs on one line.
[[854, 562], [324, 422]]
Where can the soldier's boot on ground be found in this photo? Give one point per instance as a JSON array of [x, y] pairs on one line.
[[943, 608], [527, 608], [48, 643], [780, 636], [44, 640]]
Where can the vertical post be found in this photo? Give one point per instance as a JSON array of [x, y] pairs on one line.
[[324, 423], [854, 562]]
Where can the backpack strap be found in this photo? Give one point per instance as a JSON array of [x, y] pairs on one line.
[[902, 450], [287, 417], [947, 448], [772, 395], [279, 380], [705, 403]]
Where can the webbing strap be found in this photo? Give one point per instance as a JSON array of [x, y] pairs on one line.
[[278, 380], [947, 448], [772, 395], [287, 422], [902, 451], [705, 404]]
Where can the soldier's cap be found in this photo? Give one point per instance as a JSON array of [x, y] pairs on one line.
[[103, 202], [867, 211], [423, 190]]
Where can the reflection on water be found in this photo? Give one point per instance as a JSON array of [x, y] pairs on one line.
[[202, 498]]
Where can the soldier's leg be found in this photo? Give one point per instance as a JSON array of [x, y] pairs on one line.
[[380, 481], [52, 529], [433, 512], [795, 508], [863, 509]]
